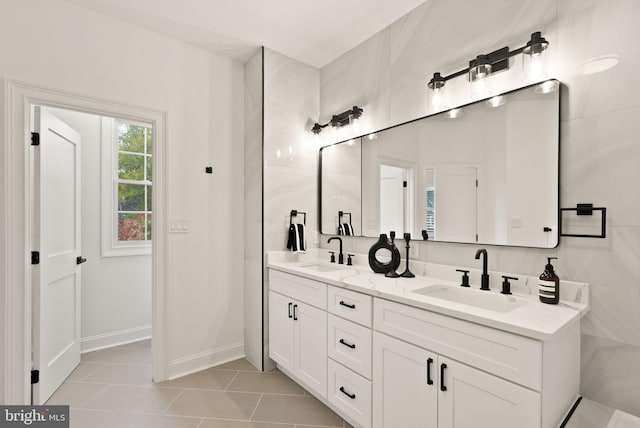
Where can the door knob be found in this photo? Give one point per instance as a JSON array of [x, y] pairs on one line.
[[80, 260]]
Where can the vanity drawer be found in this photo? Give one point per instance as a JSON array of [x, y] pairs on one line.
[[350, 345], [302, 289], [350, 393], [507, 355], [351, 305]]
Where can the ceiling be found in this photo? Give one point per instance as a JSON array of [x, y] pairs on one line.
[[314, 32]]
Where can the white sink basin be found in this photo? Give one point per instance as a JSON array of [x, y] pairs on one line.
[[479, 299], [320, 267]]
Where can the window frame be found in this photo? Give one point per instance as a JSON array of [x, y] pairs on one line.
[[111, 245]]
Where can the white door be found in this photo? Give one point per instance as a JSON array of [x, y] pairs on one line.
[[311, 346], [56, 236], [392, 205], [475, 399], [455, 204], [405, 380]]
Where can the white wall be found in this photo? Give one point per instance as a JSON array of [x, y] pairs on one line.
[[253, 257], [388, 73], [74, 50], [116, 291]]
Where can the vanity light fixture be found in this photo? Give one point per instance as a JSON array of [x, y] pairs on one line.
[[339, 120], [485, 65]]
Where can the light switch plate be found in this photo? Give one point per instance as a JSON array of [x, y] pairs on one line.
[[179, 226]]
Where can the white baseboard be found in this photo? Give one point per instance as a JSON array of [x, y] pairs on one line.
[[204, 360], [114, 338]]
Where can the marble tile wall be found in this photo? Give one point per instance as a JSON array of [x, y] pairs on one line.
[[291, 106], [600, 154]]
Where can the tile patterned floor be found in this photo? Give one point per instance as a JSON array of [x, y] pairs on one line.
[[112, 388]]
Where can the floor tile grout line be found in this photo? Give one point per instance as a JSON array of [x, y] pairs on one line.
[[172, 401], [256, 408], [231, 381]]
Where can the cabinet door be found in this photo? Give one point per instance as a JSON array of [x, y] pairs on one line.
[[311, 347], [281, 328], [475, 399], [405, 379]]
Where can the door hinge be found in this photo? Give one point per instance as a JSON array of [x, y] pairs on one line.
[[35, 257], [35, 376], [476, 183], [35, 139], [404, 183], [476, 237]]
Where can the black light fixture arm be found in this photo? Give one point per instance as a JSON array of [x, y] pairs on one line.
[[498, 60], [338, 120]]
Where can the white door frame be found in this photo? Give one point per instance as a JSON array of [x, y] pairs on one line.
[[15, 254]]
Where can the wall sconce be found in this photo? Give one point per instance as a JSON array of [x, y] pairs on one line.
[[339, 120], [487, 64]]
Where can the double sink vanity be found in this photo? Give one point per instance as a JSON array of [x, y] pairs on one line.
[[424, 352]]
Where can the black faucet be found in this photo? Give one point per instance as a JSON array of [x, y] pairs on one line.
[[340, 255], [484, 282]]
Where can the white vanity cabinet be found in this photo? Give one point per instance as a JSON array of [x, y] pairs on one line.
[[383, 364], [457, 374], [417, 388], [298, 329], [349, 346]]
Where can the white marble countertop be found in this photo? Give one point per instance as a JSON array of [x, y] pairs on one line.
[[531, 318]]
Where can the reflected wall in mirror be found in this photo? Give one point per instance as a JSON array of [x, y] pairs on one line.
[[340, 188], [484, 173]]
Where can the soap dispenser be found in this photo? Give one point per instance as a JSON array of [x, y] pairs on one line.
[[549, 284]]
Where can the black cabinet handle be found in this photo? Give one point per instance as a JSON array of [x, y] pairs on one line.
[[352, 396], [348, 345], [295, 312], [443, 366], [429, 363], [290, 305], [80, 260], [347, 305]]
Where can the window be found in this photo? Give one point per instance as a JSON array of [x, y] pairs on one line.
[[127, 187], [134, 169]]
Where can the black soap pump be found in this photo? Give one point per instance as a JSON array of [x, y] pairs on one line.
[[549, 284]]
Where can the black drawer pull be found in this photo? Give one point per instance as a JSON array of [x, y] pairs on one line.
[[348, 345], [290, 305], [295, 312], [352, 396], [443, 366], [347, 305], [429, 363]]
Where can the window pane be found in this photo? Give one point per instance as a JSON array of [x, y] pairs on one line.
[[130, 167], [149, 190], [131, 227], [130, 138], [131, 197], [149, 227], [149, 161], [149, 141]]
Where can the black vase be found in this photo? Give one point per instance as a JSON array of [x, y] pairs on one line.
[[379, 266]]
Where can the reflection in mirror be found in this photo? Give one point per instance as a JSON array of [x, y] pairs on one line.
[[485, 172], [340, 186]]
